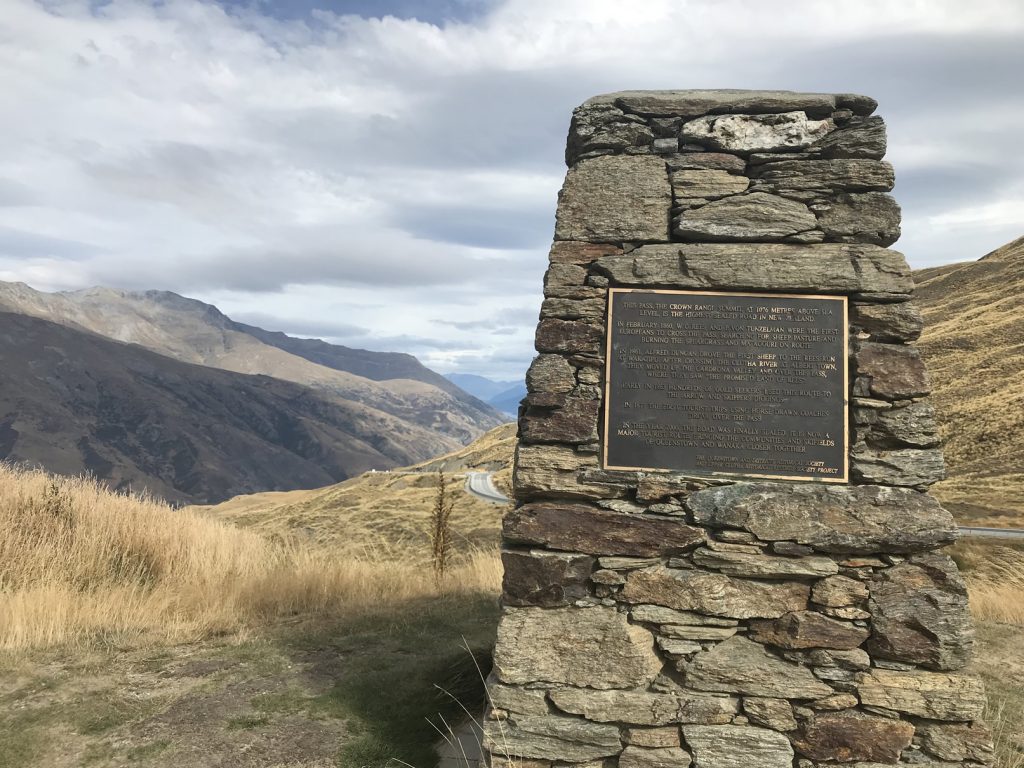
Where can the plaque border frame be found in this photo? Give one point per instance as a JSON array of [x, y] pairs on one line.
[[845, 301]]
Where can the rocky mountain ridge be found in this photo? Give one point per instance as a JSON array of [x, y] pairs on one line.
[[194, 332]]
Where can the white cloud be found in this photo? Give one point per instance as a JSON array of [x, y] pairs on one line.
[[400, 177]]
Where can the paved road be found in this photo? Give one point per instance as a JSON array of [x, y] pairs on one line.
[[995, 533], [480, 484]]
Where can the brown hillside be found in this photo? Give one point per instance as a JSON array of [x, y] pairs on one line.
[[383, 511], [198, 333], [974, 345], [75, 402]]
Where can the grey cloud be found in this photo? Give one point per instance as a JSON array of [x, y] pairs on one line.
[[268, 270], [411, 344], [312, 327], [14, 193], [20, 244], [200, 180], [511, 316], [481, 227]]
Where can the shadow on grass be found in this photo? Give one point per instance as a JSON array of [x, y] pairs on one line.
[[400, 676]]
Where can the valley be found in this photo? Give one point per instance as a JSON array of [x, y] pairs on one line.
[[155, 392]]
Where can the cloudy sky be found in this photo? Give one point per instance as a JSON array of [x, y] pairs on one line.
[[384, 174]]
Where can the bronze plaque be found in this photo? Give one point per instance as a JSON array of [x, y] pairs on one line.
[[740, 384]]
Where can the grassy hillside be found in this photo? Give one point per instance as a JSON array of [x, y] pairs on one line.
[[383, 511], [974, 346], [135, 634]]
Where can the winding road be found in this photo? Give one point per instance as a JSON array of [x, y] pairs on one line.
[[481, 485]]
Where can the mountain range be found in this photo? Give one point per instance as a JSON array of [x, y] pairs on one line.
[[155, 391], [502, 395]]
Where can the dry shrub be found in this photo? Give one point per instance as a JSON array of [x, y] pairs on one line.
[[78, 563]]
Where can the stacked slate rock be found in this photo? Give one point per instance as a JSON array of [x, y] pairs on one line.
[[658, 619]]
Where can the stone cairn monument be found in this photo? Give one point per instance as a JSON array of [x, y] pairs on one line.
[[723, 551]]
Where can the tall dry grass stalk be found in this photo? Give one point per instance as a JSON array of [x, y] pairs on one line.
[[441, 529], [80, 563]]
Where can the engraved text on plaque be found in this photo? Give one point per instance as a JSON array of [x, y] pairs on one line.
[[727, 383]]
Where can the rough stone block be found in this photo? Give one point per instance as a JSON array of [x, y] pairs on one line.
[[809, 179], [569, 336], [551, 738], [716, 161], [840, 519], [869, 217], [737, 746], [760, 566], [956, 742], [714, 593], [706, 184], [572, 421], [581, 528], [933, 695], [744, 134], [853, 736], [550, 373], [661, 757], [604, 128], [741, 666], [693, 103], [907, 467], [567, 281], [586, 647], [659, 614], [757, 217], [836, 268], [887, 322], [920, 614], [893, 371], [516, 700], [839, 592], [553, 471], [652, 737], [808, 629], [644, 708], [545, 579], [862, 137], [776, 714], [588, 310], [913, 424], [615, 199], [579, 252]]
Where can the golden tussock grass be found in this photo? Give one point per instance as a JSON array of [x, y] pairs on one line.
[[79, 563], [995, 580]]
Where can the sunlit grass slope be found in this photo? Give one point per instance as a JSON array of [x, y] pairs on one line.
[[383, 511], [973, 343], [78, 564]]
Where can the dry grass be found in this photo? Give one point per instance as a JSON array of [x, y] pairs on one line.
[[80, 564], [995, 579], [972, 342]]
